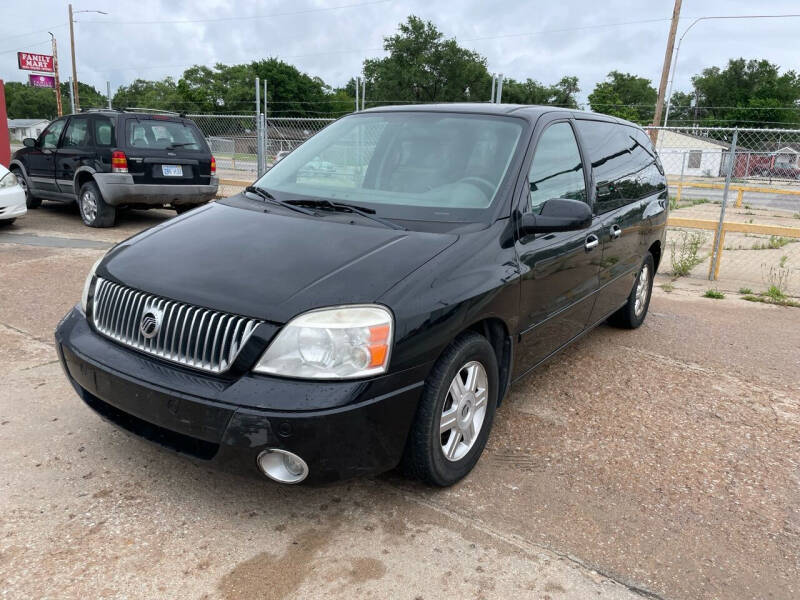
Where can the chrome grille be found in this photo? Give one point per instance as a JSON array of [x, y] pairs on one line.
[[189, 335]]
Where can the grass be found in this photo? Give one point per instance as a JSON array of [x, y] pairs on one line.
[[685, 255], [675, 205], [715, 294], [745, 291], [766, 299], [775, 293], [667, 287], [775, 242]]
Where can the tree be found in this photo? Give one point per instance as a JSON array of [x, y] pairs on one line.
[[748, 93], [148, 94], [24, 101], [626, 96], [423, 66], [532, 92]]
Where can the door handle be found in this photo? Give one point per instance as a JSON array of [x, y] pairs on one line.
[[591, 243], [615, 231]]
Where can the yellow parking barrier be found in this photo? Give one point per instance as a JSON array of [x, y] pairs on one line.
[[708, 225], [740, 189]]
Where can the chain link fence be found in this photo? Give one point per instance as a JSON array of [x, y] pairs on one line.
[[233, 140], [735, 207]]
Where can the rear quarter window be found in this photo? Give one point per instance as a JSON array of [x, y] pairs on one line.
[[624, 163], [157, 134], [104, 134]]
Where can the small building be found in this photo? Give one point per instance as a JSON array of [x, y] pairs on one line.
[[19, 129], [787, 158], [693, 154]]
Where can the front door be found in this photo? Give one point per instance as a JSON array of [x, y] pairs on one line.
[[559, 270], [74, 150], [41, 160]]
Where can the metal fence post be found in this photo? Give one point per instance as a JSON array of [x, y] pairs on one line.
[[713, 268], [680, 181], [266, 127]]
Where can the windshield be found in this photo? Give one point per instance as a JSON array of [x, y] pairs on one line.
[[160, 134], [417, 166]]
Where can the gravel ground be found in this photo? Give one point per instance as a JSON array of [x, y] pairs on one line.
[[661, 462]]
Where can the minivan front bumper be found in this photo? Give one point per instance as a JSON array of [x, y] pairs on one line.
[[120, 188], [229, 422]]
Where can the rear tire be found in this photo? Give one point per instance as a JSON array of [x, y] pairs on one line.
[[94, 210], [455, 413], [182, 208], [30, 200], [7, 222], [633, 313]]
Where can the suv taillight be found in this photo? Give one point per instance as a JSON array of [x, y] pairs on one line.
[[213, 166], [119, 162]]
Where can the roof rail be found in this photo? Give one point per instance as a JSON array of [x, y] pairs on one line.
[[156, 111], [85, 110]]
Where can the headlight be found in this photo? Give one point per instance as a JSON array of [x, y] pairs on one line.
[[87, 287], [8, 180], [332, 343]]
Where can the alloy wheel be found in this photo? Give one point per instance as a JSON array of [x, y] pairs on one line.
[[642, 289], [464, 411], [89, 206]]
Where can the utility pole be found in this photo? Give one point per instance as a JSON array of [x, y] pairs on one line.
[[108, 93], [75, 102], [59, 108], [662, 87], [74, 94]]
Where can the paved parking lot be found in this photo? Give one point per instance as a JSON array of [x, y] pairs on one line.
[[656, 463]]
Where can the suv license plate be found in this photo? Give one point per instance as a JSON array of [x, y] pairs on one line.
[[172, 170]]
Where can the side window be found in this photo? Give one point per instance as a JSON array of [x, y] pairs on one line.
[[49, 137], [104, 132], [695, 159], [624, 163], [556, 170], [77, 135]]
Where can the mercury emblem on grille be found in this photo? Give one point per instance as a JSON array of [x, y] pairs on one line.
[[150, 323]]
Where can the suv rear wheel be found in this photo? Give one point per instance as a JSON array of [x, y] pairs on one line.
[[30, 201], [94, 210], [182, 208]]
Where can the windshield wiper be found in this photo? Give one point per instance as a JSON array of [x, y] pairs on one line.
[[367, 213], [265, 195], [173, 146]]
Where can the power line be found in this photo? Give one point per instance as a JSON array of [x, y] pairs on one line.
[[249, 17], [11, 37], [25, 47]]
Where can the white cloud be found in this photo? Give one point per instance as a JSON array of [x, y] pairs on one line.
[[320, 43]]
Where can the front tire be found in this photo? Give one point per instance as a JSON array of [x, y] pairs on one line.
[[455, 414], [94, 210], [30, 200], [7, 222], [633, 313]]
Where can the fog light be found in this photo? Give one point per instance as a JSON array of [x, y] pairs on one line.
[[282, 466]]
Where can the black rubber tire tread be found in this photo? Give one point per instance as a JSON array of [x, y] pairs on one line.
[[7, 222], [106, 214], [423, 458], [31, 201], [182, 208], [625, 317]]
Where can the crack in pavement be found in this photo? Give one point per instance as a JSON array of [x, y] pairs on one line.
[[521, 543], [52, 241]]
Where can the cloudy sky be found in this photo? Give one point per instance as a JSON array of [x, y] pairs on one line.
[[330, 38]]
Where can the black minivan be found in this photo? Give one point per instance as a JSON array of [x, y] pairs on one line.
[[108, 159], [339, 321]]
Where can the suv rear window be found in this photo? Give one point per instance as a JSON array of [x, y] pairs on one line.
[[159, 135]]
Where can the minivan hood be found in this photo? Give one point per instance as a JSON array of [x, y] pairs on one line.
[[266, 265]]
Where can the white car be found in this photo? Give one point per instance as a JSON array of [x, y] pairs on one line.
[[12, 197]]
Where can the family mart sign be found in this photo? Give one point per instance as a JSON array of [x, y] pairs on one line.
[[35, 62]]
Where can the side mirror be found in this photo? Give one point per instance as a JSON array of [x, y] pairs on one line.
[[29, 142], [558, 214]]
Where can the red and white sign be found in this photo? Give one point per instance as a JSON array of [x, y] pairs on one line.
[[42, 81], [35, 62]]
